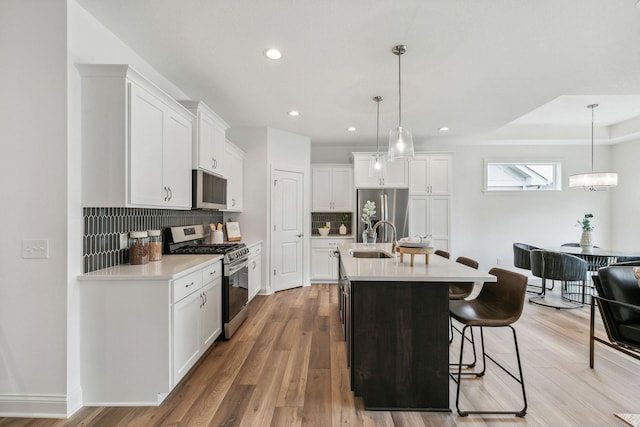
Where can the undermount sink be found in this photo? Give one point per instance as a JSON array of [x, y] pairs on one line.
[[373, 253]]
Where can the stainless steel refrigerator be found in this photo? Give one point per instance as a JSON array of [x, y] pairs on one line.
[[392, 204]]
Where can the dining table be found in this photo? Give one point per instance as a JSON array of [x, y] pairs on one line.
[[596, 258]]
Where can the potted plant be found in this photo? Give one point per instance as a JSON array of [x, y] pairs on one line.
[[586, 239], [368, 211]]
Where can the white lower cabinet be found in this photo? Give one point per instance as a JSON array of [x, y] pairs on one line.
[[255, 269], [197, 318], [324, 261], [141, 335]]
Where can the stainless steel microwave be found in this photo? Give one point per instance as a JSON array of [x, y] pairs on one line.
[[209, 191]]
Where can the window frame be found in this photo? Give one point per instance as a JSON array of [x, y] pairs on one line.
[[555, 163]]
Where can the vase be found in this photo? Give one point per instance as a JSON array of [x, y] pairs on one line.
[[368, 235], [586, 240]]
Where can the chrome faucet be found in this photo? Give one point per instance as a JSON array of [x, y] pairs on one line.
[[394, 242]]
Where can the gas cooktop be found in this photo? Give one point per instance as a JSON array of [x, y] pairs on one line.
[[190, 239]]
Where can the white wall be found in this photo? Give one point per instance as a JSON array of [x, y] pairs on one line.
[[33, 149], [266, 148], [41, 40], [484, 226], [626, 197]]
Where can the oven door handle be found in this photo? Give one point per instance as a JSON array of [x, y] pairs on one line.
[[233, 269]]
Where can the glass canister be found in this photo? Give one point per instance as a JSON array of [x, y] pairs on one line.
[[155, 245], [138, 247]]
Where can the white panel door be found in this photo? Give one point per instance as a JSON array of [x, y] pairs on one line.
[[287, 204]]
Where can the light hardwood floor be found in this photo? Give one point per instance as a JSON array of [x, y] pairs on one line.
[[286, 367]]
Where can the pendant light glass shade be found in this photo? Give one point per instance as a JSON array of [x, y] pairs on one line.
[[378, 162], [400, 144], [593, 181], [378, 166], [400, 139]]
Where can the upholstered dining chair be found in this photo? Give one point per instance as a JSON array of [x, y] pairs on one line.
[[558, 266], [522, 259], [498, 304]]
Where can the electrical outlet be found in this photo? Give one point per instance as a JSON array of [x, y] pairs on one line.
[[124, 241], [499, 261], [35, 248]]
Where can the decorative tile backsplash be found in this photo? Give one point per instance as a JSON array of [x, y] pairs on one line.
[[103, 226], [320, 219]]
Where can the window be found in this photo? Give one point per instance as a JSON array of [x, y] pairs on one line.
[[522, 176]]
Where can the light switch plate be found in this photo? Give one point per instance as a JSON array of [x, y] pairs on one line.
[[35, 248]]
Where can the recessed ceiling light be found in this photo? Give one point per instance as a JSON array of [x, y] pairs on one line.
[[351, 129], [293, 113], [273, 53], [443, 129]]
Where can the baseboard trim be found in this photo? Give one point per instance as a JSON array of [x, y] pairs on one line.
[[33, 405]]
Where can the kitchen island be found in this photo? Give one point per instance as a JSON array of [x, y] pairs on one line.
[[396, 326]]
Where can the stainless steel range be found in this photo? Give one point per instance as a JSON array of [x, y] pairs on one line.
[[190, 239]]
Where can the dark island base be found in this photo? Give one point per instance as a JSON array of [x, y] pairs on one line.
[[400, 358]]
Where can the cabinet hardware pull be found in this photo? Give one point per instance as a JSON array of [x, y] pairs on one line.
[[205, 298], [170, 193], [190, 284]]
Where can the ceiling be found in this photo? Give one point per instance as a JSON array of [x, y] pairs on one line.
[[490, 70]]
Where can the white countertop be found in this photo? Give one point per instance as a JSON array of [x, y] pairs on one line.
[[439, 269], [169, 268], [333, 236]]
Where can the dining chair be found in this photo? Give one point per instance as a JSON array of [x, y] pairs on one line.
[[522, 259], [498, 304], [566, 268]]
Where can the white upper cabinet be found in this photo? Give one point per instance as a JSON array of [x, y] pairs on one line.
[[430, 174], [208, 138], [136, 142], [332, 188], [397, 173], [233, 171]]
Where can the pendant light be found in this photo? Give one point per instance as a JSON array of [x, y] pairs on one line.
[[400, 139], [378, 162], [593, 181]]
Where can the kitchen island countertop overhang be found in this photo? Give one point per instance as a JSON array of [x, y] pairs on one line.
[[439, 269]]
